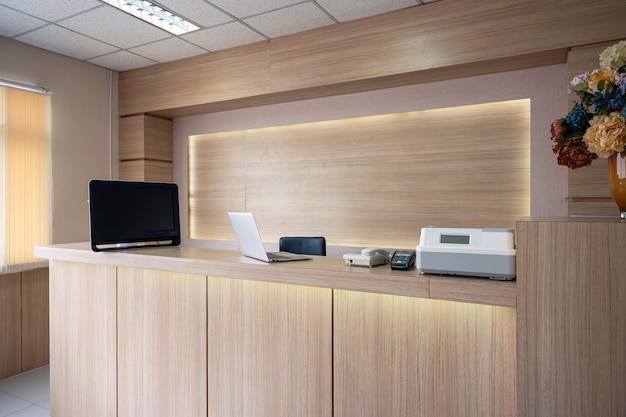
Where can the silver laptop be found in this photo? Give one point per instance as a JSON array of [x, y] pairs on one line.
[[250, 242]]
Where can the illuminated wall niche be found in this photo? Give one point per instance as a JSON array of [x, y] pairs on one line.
[[366, 181]]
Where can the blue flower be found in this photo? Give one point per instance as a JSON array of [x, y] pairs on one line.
[[578, 119]]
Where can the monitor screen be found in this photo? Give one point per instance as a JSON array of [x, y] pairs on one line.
[[125, 213]]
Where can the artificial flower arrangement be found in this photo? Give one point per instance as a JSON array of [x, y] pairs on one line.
[[595, 127]]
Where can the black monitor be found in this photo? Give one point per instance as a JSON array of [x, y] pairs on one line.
[[133, 214]]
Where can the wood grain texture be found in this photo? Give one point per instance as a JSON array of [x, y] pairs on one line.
[[146, 170], [146, 149], [83, 338], [217, 180], [441, 40], [269, 349], [218, 76], [10, 325], [145, 137], [35, 318], [472, 290], [570, 317], [161, 343], [324, 272], [369, 181], [399, 356]]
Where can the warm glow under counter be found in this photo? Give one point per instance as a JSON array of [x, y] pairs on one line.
[[324, 272]]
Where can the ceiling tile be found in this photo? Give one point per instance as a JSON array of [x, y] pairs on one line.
[[247, 8], [168, 50], [223, 37], [114, 27], [65, 42], [122, 61], [14, 23], [51, 10], [197, 11], [298, 18], [350, 10]]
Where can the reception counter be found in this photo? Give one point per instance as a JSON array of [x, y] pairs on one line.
[[196, 332]]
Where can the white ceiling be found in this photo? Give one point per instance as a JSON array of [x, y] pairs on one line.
[[93, 31]]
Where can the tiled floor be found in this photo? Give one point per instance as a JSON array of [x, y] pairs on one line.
[[26, 394]]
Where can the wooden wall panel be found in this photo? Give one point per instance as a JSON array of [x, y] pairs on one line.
[[145, 137], [370, 181], [269, 349], [218, 76], [143, 170], [146, 149], [35, 318], [439, 35], [217, 182], [411, 357], [161, 343], [588, 187], [10, 325]]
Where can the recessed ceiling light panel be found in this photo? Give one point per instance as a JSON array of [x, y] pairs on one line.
[[155, 15]]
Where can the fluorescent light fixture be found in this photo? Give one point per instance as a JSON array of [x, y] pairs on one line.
[[155, 15], [26, 87]]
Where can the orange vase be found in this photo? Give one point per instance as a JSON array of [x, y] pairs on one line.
[[617, 181]]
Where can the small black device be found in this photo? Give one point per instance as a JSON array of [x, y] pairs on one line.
[[403, 260]]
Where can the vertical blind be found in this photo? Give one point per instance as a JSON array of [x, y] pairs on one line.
[[25, 177]]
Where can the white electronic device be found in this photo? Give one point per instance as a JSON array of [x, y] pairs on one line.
[[368, 257], [471, 252]]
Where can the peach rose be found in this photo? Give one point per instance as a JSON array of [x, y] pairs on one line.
[[606, 134], [608, 75]]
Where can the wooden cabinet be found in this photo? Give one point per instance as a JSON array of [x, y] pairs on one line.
[[10, 325], [405, 356], [83, 349], [134, 342], [269, 349], [23, 321], [161, 343], [35, 318], [295, 339], [322, 339]]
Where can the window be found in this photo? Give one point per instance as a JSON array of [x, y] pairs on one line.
[[25, 177]]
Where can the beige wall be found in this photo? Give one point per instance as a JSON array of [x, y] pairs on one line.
[[545, 86], [84, 103]]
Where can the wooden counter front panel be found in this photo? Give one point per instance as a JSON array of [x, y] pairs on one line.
[[402, 356], [82, 340], [269, 349], [571, 319], [161, 343]]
